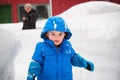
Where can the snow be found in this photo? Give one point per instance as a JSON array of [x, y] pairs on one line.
[[96, 36], [9, 47]]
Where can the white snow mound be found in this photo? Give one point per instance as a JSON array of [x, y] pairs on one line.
[[9, 47], [92, 7]]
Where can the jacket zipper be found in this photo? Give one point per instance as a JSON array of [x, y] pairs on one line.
[[57, 62]]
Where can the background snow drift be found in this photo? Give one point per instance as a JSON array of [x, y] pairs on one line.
[[9, 47], [96, 37]]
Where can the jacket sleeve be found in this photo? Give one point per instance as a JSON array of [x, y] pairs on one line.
[[76, 59], [38, 53], [36, 63]]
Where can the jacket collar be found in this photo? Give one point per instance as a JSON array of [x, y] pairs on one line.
[[51, 44]]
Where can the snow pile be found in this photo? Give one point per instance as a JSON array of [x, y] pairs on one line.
[[91, 8], [18, 26], [9, 47], [96, 35], [12, 27]]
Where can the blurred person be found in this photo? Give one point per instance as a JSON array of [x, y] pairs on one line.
[[29, 17]]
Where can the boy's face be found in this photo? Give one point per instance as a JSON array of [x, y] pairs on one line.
[[56, 36]]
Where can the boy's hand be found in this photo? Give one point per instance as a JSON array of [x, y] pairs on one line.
[[90, 66], [34, 70], [31, 77]]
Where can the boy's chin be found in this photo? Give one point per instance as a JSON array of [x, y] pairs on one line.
[[57, 45]]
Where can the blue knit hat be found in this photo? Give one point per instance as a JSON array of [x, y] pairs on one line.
[[56, 24]]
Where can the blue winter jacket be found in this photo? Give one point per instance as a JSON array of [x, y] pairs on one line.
[[55, 62]]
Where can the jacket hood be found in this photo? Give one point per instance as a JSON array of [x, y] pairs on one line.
[[56, 24]]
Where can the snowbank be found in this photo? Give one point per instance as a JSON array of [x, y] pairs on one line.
[[96, 35], [9, 47], [91, 8]]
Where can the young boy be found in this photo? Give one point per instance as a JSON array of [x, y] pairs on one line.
[[53, 58]]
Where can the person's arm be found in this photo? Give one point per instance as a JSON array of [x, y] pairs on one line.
[[36, 63], [78, 61], [24, 17]]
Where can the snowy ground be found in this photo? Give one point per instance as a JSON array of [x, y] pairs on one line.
[[96, 36]]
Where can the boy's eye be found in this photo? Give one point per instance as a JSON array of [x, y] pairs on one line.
[[52, 34], [55, 34], [60, 34]]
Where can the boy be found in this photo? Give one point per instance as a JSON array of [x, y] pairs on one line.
[[53, 58]]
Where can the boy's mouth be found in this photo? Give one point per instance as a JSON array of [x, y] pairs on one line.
[[56, 41]]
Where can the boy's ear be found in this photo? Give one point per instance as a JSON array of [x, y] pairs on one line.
[[66, 34], [46, 35]]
